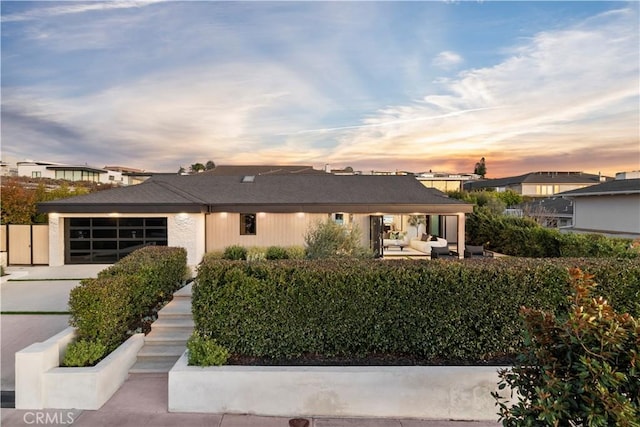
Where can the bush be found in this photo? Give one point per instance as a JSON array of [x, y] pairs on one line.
[[276, 252], [582, 370], [84, 353], [235, 252], [523, 237], [329, 239], [256, 254], [466, 311], [296, 252], [205, 351], [108, 308]]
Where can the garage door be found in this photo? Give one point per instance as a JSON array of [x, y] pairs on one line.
[[106, 240]]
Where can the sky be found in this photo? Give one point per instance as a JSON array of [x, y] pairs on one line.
[[416, 86]]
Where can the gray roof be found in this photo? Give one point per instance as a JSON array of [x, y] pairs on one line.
[[267, 193], [262, 170], [556, 205], [619, 186], [537, 178]]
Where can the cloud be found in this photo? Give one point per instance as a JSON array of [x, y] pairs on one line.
[[447, 60], [73, 8], [567, 91]]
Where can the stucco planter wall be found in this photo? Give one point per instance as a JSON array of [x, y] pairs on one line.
[[436, 392], [41, 382]]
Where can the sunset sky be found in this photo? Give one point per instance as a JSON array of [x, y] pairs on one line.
[[418, 86]]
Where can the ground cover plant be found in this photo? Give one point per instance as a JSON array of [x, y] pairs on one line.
[[388, 312], [121, 300], [582, 368]]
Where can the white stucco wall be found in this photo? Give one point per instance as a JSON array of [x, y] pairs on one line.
[[620, 214]]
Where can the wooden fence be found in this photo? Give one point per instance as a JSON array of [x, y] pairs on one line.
[[25, 244]]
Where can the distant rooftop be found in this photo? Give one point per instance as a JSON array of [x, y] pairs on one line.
[[254, 170]]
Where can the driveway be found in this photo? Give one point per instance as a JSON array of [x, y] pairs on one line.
[[34, 305]]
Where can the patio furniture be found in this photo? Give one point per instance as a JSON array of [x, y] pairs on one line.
[[442, 252], [476, 252], [426, 245]]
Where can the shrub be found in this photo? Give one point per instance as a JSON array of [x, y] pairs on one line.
[[276, 252], [256, 254], [523, 237], [103, 309], [296, 252], [235, 252], [329, 239], [466, 311], [84, 353], [579, 371], [107, 308], [205, 351]]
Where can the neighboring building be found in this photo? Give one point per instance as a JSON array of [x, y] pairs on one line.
[[205, 213], [628, 175], [552, 212], [446, 181], [611, 208], [33, 169], [7, 169], [539, 184], [255, 170]]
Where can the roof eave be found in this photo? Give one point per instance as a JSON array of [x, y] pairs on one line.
[[120, 208], [350, 208]]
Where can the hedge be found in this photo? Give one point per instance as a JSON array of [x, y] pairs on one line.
[[523, 237], [463, 311], [108, 308]]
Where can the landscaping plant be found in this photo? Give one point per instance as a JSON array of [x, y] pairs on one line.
[[235, 252], [577, 370], [205, 351], [329, 239], [84, 353]]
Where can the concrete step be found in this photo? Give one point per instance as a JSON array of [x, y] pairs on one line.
[[185, 291], [142, 367], [176, 307], [174, 322], [172, 350], [168, 337]]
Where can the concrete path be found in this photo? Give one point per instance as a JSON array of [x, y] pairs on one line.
[[167, 340]]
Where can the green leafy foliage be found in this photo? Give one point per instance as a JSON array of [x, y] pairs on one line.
[[525, 238], [235, 252], [84, 353], [205, 351], [329, 239], [581, 369], [464, 310], [108, 308], [276, 252]]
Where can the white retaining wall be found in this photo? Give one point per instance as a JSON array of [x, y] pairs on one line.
[[40, 382], [436, 392]]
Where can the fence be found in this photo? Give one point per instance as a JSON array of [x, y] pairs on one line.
[[25, 244]]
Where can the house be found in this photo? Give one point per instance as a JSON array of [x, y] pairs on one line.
[[538, 184], [205, 213], [446, 181], [247, 170], [611, 208], [551, 212], [36, 169]]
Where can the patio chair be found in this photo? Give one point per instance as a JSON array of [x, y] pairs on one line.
[[476, 252], [442, 252]]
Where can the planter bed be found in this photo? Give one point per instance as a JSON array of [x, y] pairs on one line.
[[436, 392], [41, 382]]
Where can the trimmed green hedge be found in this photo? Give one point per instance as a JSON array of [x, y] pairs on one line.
[[428, 310], [523, 237], [108, 308]]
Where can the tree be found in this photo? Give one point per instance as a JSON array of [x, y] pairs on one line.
[[181, 171], [210, 165], [416, 221], [481, 168], [18, 204], [196, 168], [575, 370]]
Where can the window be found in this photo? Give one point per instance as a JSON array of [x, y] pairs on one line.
[[339, 218], [36, 174], [247, 224]]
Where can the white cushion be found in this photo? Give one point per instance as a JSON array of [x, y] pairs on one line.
[[425, 246]]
